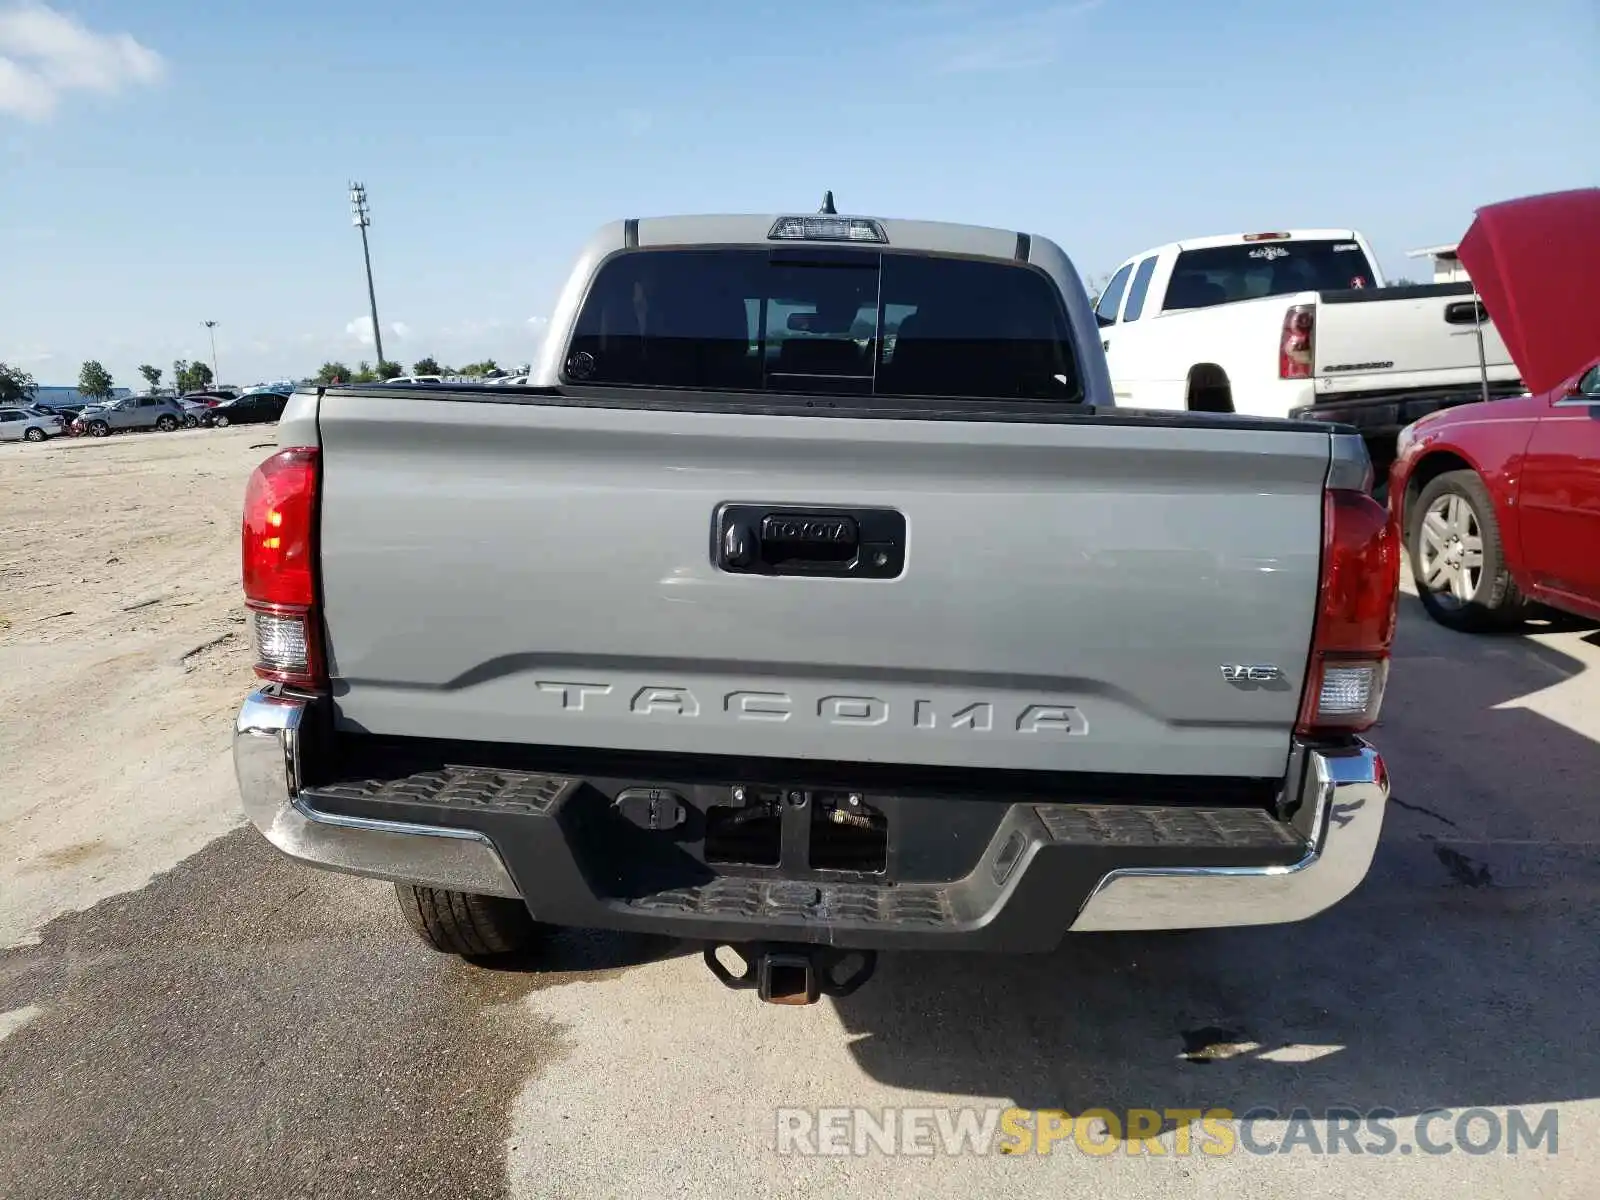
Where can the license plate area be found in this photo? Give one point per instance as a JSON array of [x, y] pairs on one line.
[[798, 828]]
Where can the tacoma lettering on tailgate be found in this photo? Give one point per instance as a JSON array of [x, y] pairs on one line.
[[666, 701]]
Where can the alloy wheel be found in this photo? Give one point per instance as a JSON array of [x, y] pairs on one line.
[[1450, 550]]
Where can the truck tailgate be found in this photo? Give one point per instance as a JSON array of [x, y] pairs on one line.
[[1419, 337], [542, 573]]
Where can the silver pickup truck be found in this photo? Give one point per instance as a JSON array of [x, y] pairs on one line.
[[813, 599]]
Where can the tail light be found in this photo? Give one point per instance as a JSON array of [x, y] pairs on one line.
[[1349, 663], [1294, 346], [279, 567]]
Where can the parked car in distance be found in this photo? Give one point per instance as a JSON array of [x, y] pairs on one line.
[[67, 412], [198, 401], [827, 649], [1500, 501], [193, 408], [29, 425], [253, 408], [130, 412], [402, 379]]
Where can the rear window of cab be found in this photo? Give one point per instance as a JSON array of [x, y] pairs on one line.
[[824, 320], [1223, 274]]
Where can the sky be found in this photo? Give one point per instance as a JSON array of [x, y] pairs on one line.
[[167, 162]]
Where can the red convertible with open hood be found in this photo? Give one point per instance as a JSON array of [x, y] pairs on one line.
[[1500, 502]]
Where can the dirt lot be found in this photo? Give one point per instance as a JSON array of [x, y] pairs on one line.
[[122, 660]]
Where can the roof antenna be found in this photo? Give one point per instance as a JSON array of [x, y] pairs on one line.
[[827, 205]]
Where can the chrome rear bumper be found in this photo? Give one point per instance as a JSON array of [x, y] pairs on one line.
[[266, 759], [1342, 795]]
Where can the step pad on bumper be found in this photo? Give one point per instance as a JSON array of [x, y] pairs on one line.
[[913, 904], [577, 862], [461, 789], [1140, 826]]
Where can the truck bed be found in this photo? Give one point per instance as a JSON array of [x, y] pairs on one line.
[[1405, 339], [540, 567]]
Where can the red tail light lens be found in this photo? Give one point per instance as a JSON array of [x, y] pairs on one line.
[[1356, 612], [1295, 343], [279, 515], [278, 565]]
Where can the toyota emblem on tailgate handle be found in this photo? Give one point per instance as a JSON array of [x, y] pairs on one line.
[[858, 543]]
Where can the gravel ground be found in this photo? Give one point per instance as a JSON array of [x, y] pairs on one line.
[[184, 1013], [122, 660]]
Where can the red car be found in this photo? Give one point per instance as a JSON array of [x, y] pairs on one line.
[[1499, 503]]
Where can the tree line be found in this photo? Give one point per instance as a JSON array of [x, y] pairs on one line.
[[365, 372], [95, 383]]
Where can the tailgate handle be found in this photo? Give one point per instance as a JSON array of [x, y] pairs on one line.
[[755, 539], [1466, 312]]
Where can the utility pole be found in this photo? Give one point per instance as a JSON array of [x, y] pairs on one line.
[[216, 376], [361, 218]]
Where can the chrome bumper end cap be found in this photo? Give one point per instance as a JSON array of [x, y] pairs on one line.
[[267, 740], [1343, 793]]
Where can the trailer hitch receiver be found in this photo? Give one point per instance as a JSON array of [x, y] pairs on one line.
[[792, 973]]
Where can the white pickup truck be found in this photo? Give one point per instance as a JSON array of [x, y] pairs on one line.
[[1294, 323]]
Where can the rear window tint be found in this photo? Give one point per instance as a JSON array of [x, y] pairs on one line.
[[1221, 274], [824, 320]]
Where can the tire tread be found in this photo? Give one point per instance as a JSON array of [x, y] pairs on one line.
[[466, 924]]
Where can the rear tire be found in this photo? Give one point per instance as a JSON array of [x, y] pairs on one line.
[[220, 422], [1209, 389], [1457, 560], [190, 421], [466, 924], [99, 429], [167, 423], [34, 435]]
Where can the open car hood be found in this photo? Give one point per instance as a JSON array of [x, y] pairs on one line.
[[1536, 263]]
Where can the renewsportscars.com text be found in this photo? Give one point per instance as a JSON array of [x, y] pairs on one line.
[[1215, 1132]]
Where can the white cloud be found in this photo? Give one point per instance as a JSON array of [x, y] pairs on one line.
[[45, 54], [538, 323], [361, 330], [1014, 43]]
